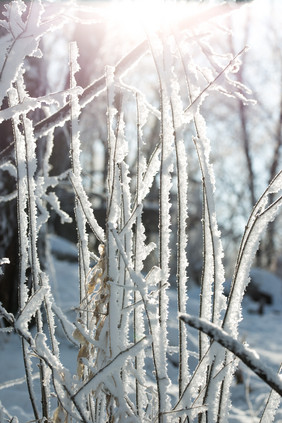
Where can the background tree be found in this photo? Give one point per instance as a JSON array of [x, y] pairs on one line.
[[248, 149]]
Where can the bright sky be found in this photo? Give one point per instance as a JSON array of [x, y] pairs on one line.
[[147, 15]]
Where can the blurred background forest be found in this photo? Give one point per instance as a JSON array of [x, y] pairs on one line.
[[246, 139]]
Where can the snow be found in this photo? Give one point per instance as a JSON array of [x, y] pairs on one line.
[[262, 332]]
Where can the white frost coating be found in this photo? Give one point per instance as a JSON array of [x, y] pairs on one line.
[[153, 277], [62, 379], [33, 304], [213, 245], [143, 112], [8, 316], [124, 411], [113, 201], [14, 21], [224, 368], [271, 407], [275, 184], [31, 166], [126, 214], [136, 278], [43, 213], [53, 200], [123, 267], [163, 63], [44, 183], [141, 251], [27, 221], [150, 173], [87, 208], [46, 167], [274, 187], [48, 303], [15, 382], [205, 150], [3, 261], [260, 217], [30, 103], [213, 301], [8, 197], [73, 62], [241, 277], [30, 152], [190, 396], [80, 216], [9, 167], [112, 368], [22, 201], [22, 43], [117, 151], [188, 413], [24, 39], [115, 301], [182, 211], [118, 214], [125, 295], [212, 297], [43, 351], [151, 314], [138, 93], [247, 355], [5, 415], [75, 112], [146, 172], [207, 279], [121, 147]]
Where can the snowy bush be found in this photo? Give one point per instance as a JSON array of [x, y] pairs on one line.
[[121, 331]]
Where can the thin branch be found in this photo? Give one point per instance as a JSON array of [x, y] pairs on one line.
[[111, 367], [248, 356], [210, 84], [129, 60]]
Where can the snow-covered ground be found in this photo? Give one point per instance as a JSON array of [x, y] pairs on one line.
[[263, 332]]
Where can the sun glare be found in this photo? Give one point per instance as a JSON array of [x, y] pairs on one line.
[[147, 15]]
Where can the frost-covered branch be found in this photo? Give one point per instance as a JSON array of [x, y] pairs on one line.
[[23, 39], [271, 406], [86, 207], [111, 368], [128, 61], [248, 356]]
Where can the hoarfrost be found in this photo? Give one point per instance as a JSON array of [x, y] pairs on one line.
[[3, 261], [87, 209], [112, 367], [248, 356], [271, 407], [132, 303], [31, 307]]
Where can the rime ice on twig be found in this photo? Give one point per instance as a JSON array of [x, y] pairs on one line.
[[249, 357]]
